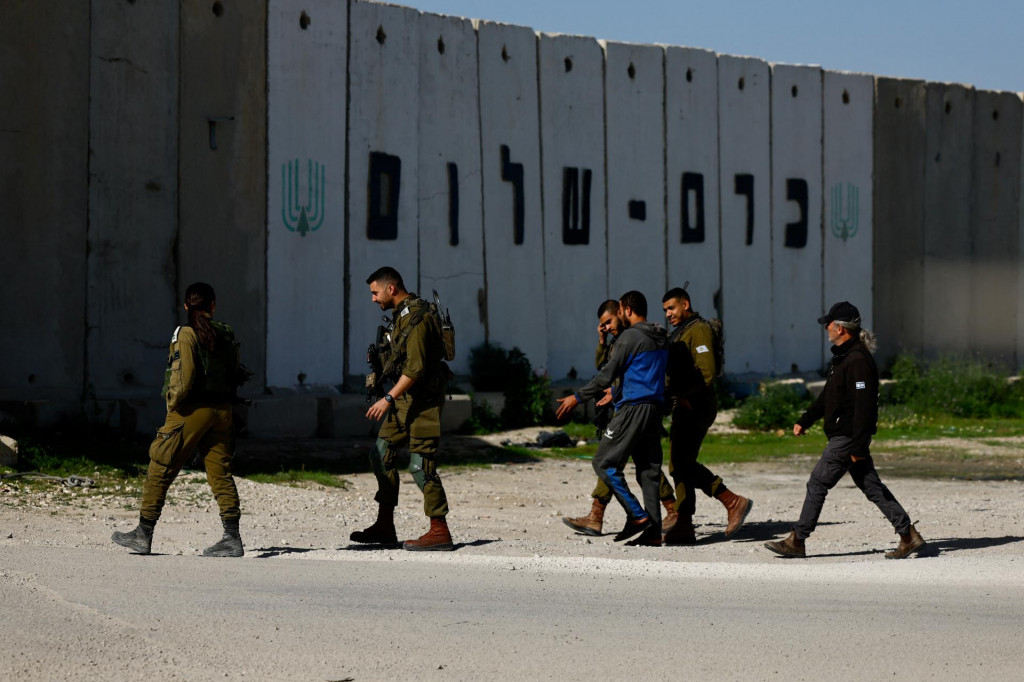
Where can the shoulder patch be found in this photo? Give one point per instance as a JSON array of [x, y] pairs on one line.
[[405, 311], [174, 337], [861, 384], [702, 349]]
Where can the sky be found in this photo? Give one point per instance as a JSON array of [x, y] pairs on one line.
[[980, 43]]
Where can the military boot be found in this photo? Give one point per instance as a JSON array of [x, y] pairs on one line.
[[737, 507], [138, 540], [382, 532], [590, 524], [792, 546], [649, 538], [437, 539], [228, 546], [682, 533], [633, 527], [909, 543], [671, 515]]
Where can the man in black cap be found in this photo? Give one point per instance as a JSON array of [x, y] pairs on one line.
[[849, 406]]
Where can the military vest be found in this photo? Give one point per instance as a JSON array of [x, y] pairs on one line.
[[219, 372]]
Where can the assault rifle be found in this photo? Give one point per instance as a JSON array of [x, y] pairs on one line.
[[374, 358]]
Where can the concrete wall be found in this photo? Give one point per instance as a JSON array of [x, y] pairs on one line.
[[744, 101], [847, 194], [44, 141], [306, 78], [513, 228], [450, 191], [635, 137], [995, 220], [575, 227], [222, 173], [899, 148], [796, 247], [692, 176], [383, 120], [133, 198]]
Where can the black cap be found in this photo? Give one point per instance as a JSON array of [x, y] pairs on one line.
[[844, 311]]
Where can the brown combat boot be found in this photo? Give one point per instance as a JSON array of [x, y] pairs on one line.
[[682, 532], [909, 543], [737, 507], [382, 532], [590, 524], [671, 515], [437, 539], [792, 546]]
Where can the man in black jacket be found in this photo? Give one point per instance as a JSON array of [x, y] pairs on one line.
[[849, 406]]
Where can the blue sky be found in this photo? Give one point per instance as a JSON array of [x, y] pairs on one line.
[[980, 43]]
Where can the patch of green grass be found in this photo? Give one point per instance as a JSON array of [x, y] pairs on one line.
[[297, 477]]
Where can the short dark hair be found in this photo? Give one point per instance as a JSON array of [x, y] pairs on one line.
[[675, 292], [609, 306], [635, 301], [387, 275]]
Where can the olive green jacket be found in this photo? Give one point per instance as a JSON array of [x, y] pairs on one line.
[[691, 361]]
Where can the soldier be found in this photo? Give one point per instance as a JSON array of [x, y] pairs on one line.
[[415, 362], [639, 360], [692, 371], [202, 378], [849, 406], [608, 329]]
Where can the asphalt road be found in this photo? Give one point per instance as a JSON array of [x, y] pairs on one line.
[[86, 613]]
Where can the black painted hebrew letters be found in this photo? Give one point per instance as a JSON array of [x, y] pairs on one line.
[[575, 208], [796, 233], [637, 210], [513, 172], [453, 204], [693, 183], [385, 181], [745, 186]]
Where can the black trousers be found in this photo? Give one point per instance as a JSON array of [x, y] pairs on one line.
[[834, 463], [688, 430]]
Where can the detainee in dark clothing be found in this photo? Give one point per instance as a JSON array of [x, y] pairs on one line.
[[849, 406], [609, 326], [639, 360]]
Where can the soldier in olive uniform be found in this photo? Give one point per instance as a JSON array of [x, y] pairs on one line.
[[692, 371], [609, 326], [411, 410], [202, 377]]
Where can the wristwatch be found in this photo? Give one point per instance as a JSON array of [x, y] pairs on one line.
[[388, 399]]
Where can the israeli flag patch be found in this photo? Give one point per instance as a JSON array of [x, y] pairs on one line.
[[174, 337], [861, 384], [702, 349]]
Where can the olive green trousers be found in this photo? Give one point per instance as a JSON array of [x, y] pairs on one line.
[[416, 424]]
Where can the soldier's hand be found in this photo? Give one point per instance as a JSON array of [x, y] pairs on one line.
[[798, 430], [607, 398], [377, 410], [566, 405]]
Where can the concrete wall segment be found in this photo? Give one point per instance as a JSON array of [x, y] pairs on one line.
[[635, 139], [132, 297], [692, 176], [451, 236], [512, 218], [44, 143], [306, 71], [745, 175], [383, 125], [995, 220], [796, 116], [575, 225], [848, 104], [222, 166]]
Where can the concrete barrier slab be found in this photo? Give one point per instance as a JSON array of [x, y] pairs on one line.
[[289, 417]]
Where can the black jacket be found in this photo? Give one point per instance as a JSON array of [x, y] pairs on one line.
[[849, 401]]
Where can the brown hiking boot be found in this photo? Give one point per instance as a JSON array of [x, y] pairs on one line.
[[671, 515], [437, 539], [737, 507], [792, 546], [382, 532], [909, 543], [590, 524], [682, 532]]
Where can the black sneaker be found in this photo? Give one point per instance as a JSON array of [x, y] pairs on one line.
[[649, 538], [632, 528]]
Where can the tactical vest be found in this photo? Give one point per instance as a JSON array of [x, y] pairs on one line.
[[397, 352], [219, 372]]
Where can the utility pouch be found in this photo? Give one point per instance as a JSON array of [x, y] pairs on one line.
[[167, 444]]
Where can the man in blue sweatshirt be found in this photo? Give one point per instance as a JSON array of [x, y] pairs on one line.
[[639, 360]]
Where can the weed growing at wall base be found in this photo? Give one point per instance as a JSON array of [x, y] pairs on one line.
[[954, 385]]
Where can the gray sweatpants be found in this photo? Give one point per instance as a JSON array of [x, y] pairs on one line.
[[834, 463], [634, 430]]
